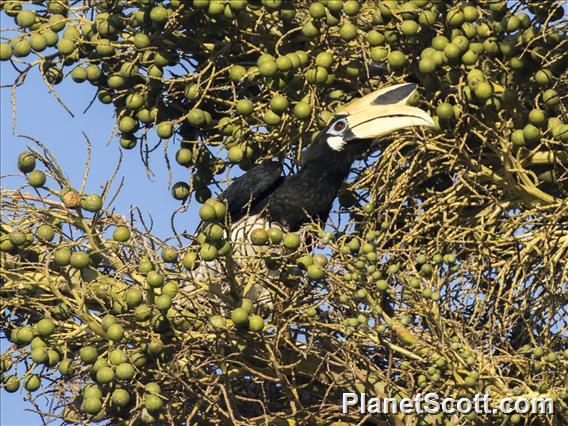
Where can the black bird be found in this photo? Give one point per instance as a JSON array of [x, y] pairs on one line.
[[292, 201], [263, 197]]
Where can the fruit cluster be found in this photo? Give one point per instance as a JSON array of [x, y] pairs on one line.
[[238, 81]]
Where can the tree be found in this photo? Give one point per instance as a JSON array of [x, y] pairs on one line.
[[443, 269]]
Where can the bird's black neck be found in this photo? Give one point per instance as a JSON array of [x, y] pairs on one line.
[[309, 194]]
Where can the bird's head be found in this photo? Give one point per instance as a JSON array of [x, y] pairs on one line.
[[373, 116]]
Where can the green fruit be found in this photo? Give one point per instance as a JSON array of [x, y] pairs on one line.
[[284, 63], [455, 18], [195, 117], [180, 190], [279, 103], [170, 288], [315, 272], [235, 154], [291, 241], [32, 383], [445, 111], [271, 118], [80, 259], [5, 52], [88, 354], [348, 31], [65, 46], [164, 130], [21, 48], [409, 28], [317, 10], [543, 77], [237, 72], [268, 68], [207, 213], [240, 317], [305, 261], [45, 232], [25, 18], [153, 403], [134, 101], [40, 355], [38, 43], [317, 75], [37, 342], [309, 30], [375, 38], [550, 98], [302, 57], [469, 58], [259, 236], [275, 235], [152, 388], [140, 40], [427, 65], [483, 90], [531, 133], [120, 397], [11, 384], [537, 117], [133, 297], [104, 375], [515, 418], [62, 256], [45, 327], [154, 279], [214, 233], [159, 14], [440, 42], [255, 323], [142, 312], [379, 53], [18, 238], [335, 5], [208, 252], [324, 59], [91, 203], [26, 162], [163, 302], [92, 405], [245, 107], [25, 335], [452, 52], [170, 255], [115, 332], [92, 391], [396, 59], [302, 110], [117, 357], [125, 371], [79, 74], [470, 13], [513, 24], [121, 234], [191, 92], [426, 269], [518, 138], [351, 7]]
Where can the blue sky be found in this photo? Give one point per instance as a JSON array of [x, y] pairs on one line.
[[41, 117]]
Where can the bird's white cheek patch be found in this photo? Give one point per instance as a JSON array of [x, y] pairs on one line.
[[336, 143]]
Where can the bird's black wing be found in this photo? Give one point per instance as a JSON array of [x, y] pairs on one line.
[[252, 188]]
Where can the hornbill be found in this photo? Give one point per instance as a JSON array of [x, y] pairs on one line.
[[263, 197]]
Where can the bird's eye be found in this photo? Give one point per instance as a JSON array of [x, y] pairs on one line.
[[339, 126]]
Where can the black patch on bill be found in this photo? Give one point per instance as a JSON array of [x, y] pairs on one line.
[[396, 95]]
